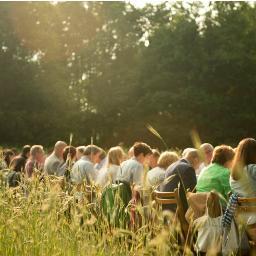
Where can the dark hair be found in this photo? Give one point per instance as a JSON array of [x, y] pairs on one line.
[[155, 153], [25, 150], [222, 154], [69, 150], [245, 155], [7, 156], [141, 148]]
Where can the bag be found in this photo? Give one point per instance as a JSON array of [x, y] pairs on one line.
[[115, 198], [13, 179], [209, 234], [209, 238]]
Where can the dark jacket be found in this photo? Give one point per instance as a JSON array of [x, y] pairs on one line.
[[184, 174], [18, 163]]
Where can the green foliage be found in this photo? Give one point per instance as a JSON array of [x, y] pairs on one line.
[[107, 69]]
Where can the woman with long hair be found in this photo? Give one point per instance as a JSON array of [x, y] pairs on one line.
[[108, 175], [243, 179]]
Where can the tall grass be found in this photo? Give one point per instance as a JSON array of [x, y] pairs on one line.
[[40, 218]]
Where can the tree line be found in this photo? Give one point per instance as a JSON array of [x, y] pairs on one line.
[[107, 69]]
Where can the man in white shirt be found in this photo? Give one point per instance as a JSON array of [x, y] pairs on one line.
[[132, 170], [83, 169], [53, 163], [207, 152]]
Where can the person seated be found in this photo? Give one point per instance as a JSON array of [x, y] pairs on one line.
[[18, 163], [53, 163], [35, 161], [102, 163], [181, 175], [216, 175], [153, 159], [69, 156], [206, 150], [132, 170], [243, 177], [8, 156], [108, 175], [156, 175], [83, 169]]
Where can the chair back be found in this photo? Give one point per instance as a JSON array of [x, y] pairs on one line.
[[246, 205]]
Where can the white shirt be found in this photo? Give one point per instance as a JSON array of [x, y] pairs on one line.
[[107, 175], [155, 176], [53, 165], [83, 170], [131, 171]]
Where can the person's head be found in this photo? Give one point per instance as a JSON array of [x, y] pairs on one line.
[[166, 159], [193, 157], [245, 155], [80, 152], [185, 152], [93, 153], [59, 147], [131, 152], [25, 151], [15, 151], [223, 155], [115, 156], [207, 151], [8, 156], [142, 152], [102, 155], [69, 153], [154, 158], [37, 153]]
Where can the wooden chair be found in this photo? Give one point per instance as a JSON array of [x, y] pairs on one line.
[[248, 205], [173, 198]]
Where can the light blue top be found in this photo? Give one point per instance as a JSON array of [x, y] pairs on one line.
[[131, 171], [246, 185], [83, 170]]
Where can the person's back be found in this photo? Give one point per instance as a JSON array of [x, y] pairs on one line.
[[83, 170], [18, 163], [108, 175], [52, 164], [131, 171], [155, 176], [216, 176], [246, 185], [183, 173]]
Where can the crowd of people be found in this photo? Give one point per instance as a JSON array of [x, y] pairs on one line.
[[222, 168]]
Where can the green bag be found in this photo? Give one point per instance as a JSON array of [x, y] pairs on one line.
[[115, 198]]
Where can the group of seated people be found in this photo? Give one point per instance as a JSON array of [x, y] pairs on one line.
[[221, 169]]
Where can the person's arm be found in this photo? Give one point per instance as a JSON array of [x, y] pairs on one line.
[[137, 174]]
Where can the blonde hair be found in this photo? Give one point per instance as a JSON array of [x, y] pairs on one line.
[[166, 159], [115, 155], [36, 149]]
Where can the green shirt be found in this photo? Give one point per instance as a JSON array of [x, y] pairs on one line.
[[214, 177]]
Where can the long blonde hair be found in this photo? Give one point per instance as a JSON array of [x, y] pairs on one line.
[[115, 155]]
